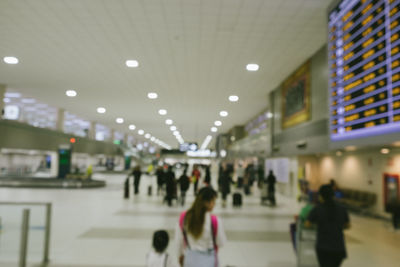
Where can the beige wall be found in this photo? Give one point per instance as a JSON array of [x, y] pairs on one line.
[[361, 170]]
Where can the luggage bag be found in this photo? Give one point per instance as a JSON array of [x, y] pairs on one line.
[[237, 199]]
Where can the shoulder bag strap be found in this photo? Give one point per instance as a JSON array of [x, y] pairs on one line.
[[166, 260]]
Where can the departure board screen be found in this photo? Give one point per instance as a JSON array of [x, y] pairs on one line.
[[364, 64]]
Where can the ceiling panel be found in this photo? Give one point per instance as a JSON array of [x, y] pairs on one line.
[[192, 53]]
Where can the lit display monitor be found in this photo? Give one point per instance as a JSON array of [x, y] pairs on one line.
[[364, 64]]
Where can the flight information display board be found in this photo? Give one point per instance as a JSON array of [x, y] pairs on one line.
[[364, 64]]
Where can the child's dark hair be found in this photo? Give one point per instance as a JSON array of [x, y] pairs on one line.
[[160, 240]]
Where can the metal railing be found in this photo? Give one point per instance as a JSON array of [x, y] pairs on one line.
[[25, 230]]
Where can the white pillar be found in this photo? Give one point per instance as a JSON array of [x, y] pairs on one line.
[[112, 135], [2, 94], [92, 130], [60, 119], [54, 164], [125, 141]]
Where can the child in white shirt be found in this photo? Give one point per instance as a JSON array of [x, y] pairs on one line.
[[158, 257]]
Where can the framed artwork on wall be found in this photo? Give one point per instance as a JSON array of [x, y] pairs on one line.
[[296, 101]]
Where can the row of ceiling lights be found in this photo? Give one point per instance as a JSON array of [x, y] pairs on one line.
[[152, 95], [132, 127], [163, 112]]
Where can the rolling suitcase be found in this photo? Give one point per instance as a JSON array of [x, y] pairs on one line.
[[126, 188], [237, 199]]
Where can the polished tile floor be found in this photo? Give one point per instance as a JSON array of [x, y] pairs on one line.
[[97, 227]]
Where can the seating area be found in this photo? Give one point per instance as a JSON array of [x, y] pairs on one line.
[[356, 199]]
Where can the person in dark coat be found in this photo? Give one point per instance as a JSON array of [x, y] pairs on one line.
[[260, 174], [225, 184], [160, 179], [136, 173], [170, 186], [184, 183], [207, 178], [331, 219], [271, 180]]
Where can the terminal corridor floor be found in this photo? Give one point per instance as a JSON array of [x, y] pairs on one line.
[[97, 227]]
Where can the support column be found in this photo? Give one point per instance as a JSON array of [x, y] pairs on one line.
[[112, 135], [60, 119], [2, 94], [92, 130], [54, 164], [125, 141]]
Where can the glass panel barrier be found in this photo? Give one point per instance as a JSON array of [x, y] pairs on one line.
[[37, 246]]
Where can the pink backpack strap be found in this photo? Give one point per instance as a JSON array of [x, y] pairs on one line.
[[214, 224], [181, 219], [181, 225]]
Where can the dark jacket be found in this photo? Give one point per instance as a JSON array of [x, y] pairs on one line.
[[170, 183], [184, 182], [225, 182], [160, 177], [271, 180]]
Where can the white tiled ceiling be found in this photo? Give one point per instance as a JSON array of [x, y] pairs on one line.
[[193, 53]]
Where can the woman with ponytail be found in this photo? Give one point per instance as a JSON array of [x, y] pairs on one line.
[[331, 219], [200, 234]]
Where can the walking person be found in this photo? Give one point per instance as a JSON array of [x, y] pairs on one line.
[[196, 177], [331, 219], [160, 179], [158, 256], [240, 175], [200, 234], [170, 186], [137, 173], [207, 178], [225, 184], [184, 183], [271, 181]]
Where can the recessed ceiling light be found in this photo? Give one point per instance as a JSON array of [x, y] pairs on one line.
[[176, 133], [217, 123], [152, 95], [168, 122], [101, 110], [233, 98], [11, 60], [172, 128], [385, 150], [223, 113], [147, 136], [71, 93], [6, 100], [132, 63], [153, 139], [132, 127], [214, 129], [252, 67], [162, 112], [140, 132], [119, 120]]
